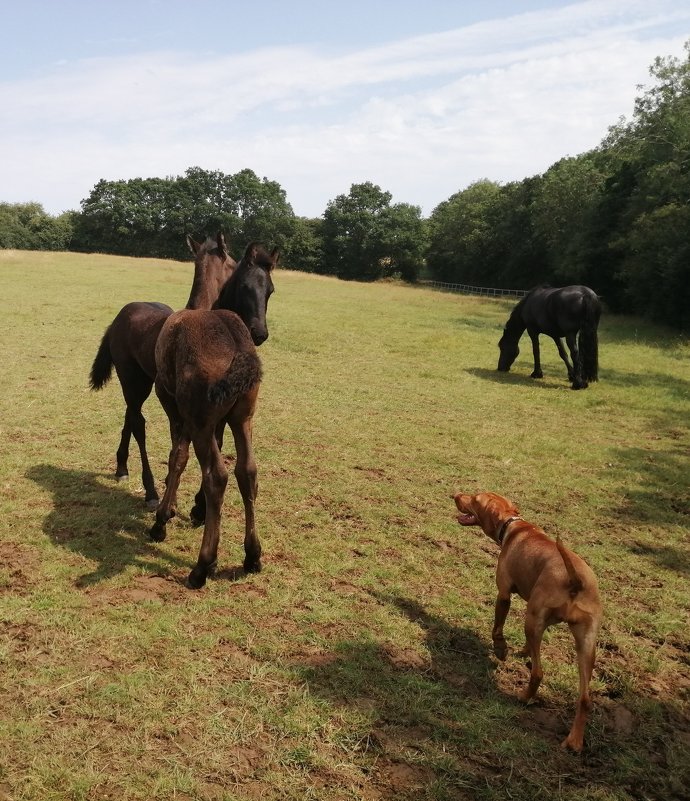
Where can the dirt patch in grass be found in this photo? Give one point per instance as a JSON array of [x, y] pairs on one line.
[[19, 566], [140, 590]]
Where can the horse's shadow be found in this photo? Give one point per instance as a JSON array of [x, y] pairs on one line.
[[517, 378], [102, 523]]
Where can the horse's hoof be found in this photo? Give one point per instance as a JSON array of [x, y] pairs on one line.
[[121, 477], [151, 504], [501, 650], [197, 517], [536, 374], [580, 385], [197, 578], [157, 532], [252, 566]]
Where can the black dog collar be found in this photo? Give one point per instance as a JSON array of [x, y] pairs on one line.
[[500, 534]]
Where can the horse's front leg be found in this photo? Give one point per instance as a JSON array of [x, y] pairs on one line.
[[246, 475], [578, 381], [564, 355], [536, 373], [214, 479], [198, 512]]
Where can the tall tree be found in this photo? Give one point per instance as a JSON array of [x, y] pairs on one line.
[[463, 246], [365, 238]]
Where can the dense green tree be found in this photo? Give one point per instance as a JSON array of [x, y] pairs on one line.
[[304, 249], [150, 216], [404, 241], [365, 238], [521, 257], [463, 247], [560, 210], [649, 190], [27, 226], [352, 233]]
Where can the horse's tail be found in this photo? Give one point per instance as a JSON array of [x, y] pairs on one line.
[[102, 366], [244, 373], [588, 341], [576, 584]]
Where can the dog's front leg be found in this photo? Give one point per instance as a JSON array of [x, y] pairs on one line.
[[501, 612]]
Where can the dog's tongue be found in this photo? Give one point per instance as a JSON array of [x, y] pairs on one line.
[[467, 520]]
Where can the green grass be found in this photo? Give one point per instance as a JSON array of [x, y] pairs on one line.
[[357, 665]]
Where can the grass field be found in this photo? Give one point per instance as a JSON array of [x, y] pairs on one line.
[[358, 664]]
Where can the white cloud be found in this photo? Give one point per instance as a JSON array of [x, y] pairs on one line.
[[421, 117]]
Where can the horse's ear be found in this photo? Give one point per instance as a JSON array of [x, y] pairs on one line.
[[251, 251], [220, 241], [192, 245], [275, 255]]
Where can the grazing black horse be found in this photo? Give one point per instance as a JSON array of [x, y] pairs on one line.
[[129, 343], [572, 312], [208, 375]]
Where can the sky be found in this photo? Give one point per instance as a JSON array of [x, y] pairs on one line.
[[421, 97]]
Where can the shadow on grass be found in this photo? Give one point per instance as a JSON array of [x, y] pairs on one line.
[[516, 378], [419, 709], [659, 495], [442, 728], [104, 524], [677, 389], [634, 330]]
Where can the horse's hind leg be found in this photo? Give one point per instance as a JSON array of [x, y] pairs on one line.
[[122, 455], [198, 512], [536, 373], [177, 461], [136, 387], [214, 480], [246, 475], [578, 381], [137, 423], [564, 355]]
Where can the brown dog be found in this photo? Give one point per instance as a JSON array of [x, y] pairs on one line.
[[557, 584]]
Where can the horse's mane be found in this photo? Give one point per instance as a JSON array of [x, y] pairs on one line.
[[515, 315], [515, 318]]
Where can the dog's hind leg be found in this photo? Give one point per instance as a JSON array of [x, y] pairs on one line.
[[585, 634], [535, 624], [501, 612]]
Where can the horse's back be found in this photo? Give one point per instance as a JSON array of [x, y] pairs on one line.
[[558, 311], [134, 332], [199, 347]]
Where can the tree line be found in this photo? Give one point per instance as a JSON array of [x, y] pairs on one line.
[[616, 218]]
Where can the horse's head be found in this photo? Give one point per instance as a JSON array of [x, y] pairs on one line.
[[213, 266], [249, 288], [509, 349]]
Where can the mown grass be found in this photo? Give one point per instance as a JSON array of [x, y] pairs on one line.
[[357, 665]]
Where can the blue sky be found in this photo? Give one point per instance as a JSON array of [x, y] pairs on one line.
[[422, 98]]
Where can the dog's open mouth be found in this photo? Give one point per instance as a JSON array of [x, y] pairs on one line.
[[468, 519]]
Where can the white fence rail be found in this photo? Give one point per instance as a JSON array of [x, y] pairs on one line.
[[466, 289]]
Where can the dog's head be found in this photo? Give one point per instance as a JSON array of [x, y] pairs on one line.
[[485, 509]]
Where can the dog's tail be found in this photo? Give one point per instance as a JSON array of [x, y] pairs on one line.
[[576, 584]]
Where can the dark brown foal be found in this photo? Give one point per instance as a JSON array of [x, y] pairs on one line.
[[208, 376], [129, 345]]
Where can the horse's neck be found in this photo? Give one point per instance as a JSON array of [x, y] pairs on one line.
[[206, 288], [226, 297], [515, 326]]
